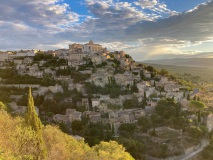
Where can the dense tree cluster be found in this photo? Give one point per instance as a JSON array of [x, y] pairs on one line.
[[112, 88]]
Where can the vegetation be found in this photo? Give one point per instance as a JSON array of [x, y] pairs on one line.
[[194, 75], [21, 139], [3, 106], [65, 72], [207, 153], [33, 121], [10, 76], [197, 106], [112, 88], [51, 61], [131, 103]]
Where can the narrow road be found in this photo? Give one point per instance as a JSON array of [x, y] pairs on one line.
[[204, 143]]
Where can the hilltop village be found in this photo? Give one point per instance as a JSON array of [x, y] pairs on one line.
[[97, 94]]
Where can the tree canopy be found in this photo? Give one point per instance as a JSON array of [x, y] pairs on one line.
[[197, 105]]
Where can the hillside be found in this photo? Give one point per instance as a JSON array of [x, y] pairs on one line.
[[191, 62], [16, 142], [203, 74]]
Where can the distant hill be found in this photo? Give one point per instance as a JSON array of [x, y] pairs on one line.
[[205, 73], [191, 62]]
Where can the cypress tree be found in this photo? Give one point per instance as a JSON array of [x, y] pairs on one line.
[[34, 122], [113, 129], [32, 118], [198, 98], [144, 99], [188, 97]]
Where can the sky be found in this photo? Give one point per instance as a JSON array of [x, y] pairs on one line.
[[145, 29]]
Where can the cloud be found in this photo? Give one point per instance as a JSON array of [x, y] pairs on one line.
[[157, 8], [28, 24], [147, 3], [144, 28], [189, 26], [38, 14]]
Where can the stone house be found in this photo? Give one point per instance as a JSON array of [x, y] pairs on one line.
[[149, 109], [4, 56], [171, 87], [79, 87], [184, 104], [20, 109], [94, 117], [62, 53], [125, 97], [163, 80], [16, 98], [21, 68], [42, 62], [70, 116], [150, 91], [34, 71], [27, 60], [73, 115], [100, 78], [142, 85], [209, 122], [139, 113], [116, 101], [60, 118], [92, 48], [85, 102], [17, 61], [95, 102], [177, 95], [49, 71], [147, 75], [76, 63], [129, 81], [54, 89], [49, 96], [96, 59], [125, 117], [152, 103]]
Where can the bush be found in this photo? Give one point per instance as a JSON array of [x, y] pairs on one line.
[[3, 106], [195, 132]]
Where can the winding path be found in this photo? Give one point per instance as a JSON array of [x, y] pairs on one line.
[[204, 143]]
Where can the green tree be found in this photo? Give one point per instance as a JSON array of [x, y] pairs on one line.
[[164, 72], [76, 126], [188, 97], [145, 123], [3, 106], [198, 98], [151, 69], [111, 150], [128, 127], [195, 132], [197, 106], [167, 108], [34, 122], [144, 102]]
